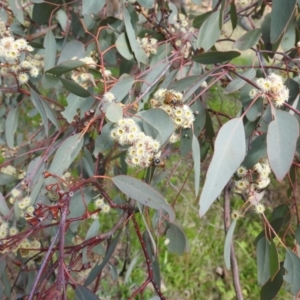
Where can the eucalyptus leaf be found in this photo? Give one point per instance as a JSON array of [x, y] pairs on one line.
[[196, 159], [70, 50], [104, 141], [11, 125], [114, 112], [178, 242], [122, 87], [263, 260], [66, 154], [248, 40], [4, 210], [281, 14], [92, 6], [65, 67], [238, 82], [50, 50], [283, 133], [75, 88], [215, 57], [209, 31], [292, 267], [230, 150], [143, 193], [123, 47], [83, 293], [227, 244], [16, 7]]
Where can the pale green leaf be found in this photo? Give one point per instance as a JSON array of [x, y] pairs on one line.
[[122, 87], [17, 9], [62, 19], [4, 210], [230, 149], [178, 242], [70, 50], [65, 67], [227, 244], [263, 260], [292, 266], [114, 112], [11, 125], [196, 159], [92, 6], [238, 82], [66, 154], [158, 124], [137, 49], [143, 193], [104, 141], [281, 14], [283, 133], [50, 50], [288, 40], [75, 88], [123, 46], [209, 32], [248, 40]]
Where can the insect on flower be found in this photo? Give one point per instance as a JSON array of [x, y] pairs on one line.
[[172, 99]]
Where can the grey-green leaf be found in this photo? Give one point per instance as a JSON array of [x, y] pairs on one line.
[[4, 210], [227, 244], [92, 6], [50, 50], [248, 40], [238, 82], [158, 124], [83, 293], [70, 50], [139, 52], [11, 125], [230, 149], [209, 32], [123, 46], [143, 193], [283, 133], [16, 7], [281, 14], [104, 141], [178, 242], [65, 67], [66, 154], [122, 87], [263, 260], [196, 159], [75, 88], [114, 112], [292, 266]]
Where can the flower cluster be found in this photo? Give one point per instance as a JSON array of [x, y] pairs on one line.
[[81, 75], [12, 171], [99, 203], [16, 58], [143, 150], [184, 43], [171, 102], [272, 86], [149, 45], [259, 176]]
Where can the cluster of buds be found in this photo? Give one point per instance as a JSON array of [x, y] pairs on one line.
[[16, 59], [181, 24], [144, 150], [28, 248], [171, 102], [81, 75], [254, 179], [149, 44], [273, 87]]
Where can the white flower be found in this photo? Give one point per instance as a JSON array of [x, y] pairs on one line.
[[34, 72], [241, 171], [259, 208], [23, 78], [109, 97]]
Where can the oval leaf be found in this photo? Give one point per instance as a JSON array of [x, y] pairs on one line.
[[209, 31], [230, 149], [75, 88], [281, 14], [4, 210], [178, 242], [114, 112], [143, 193], [292, 266], [227, 244], [11, 124], [248, 40], [215, 57], [282, 137], [263, 260]]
